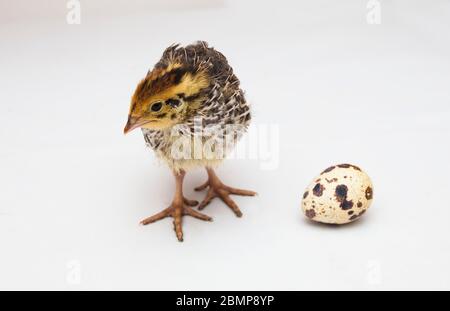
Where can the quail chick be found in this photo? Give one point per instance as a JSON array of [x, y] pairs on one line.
[[191, 98]]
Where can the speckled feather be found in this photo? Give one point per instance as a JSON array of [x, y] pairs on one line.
[[223, 102]]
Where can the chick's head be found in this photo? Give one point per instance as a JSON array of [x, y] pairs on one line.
[[167, 96]]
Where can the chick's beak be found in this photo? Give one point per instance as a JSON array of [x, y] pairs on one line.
[[131, 124]]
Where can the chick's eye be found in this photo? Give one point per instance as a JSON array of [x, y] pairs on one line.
[[156, 106]]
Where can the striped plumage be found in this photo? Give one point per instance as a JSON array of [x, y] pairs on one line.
[[222, 102], [191, 99]]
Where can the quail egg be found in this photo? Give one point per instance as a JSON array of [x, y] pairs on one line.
[[339, 195]]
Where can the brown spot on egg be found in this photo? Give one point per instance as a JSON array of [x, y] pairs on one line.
[[341, 196], [305, 195], [341, 192], [318, 190], [310, 213], [359, 204], [346, 205], [328, 170], [348, 166], [356, 168], [350, 212], [357, 215], [369, 193], [331, 180]]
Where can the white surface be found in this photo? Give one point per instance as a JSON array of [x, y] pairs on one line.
[[73, 188]]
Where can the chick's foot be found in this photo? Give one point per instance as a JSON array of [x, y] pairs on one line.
[[177, 210], [217, 189]]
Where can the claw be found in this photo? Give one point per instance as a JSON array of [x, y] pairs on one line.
[[163, 214], [176, 211], [209, 196], [195, 214], [218, 189], [190, 202], [202, 186]]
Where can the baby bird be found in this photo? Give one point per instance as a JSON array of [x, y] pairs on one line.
[[192, 112]]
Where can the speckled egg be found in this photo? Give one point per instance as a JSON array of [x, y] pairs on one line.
[[339, 195]]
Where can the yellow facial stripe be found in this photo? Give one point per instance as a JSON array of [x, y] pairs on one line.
[[161, 85], [189, 85], [159, 73]]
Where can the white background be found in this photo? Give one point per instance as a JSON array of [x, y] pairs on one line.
[[73, 188]]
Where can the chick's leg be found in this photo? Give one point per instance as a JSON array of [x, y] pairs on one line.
[[218, 189], [178, 208]]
